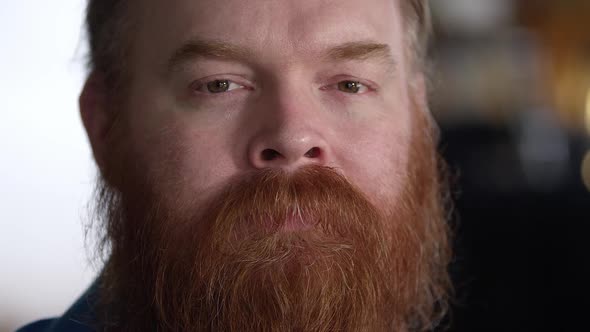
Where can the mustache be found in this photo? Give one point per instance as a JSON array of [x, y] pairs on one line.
[[270, 198]]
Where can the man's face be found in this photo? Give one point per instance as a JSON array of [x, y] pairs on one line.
[[271, 169], [297, 82]]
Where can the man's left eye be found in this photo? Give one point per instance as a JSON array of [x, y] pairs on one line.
[[352, 87], [218, 86]]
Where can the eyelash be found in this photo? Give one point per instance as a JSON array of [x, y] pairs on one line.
[[202, 86], [368, 87]]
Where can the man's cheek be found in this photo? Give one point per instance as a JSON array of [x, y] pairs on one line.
[[383, 183], [380, 164], [195, 171]]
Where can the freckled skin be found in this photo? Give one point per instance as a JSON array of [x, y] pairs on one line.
[[204, 140]]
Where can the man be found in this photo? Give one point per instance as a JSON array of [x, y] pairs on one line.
[[264, 166]]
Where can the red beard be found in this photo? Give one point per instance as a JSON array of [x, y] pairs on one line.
[[306, 251]]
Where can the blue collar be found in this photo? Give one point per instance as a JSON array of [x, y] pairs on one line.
[[80, 317]]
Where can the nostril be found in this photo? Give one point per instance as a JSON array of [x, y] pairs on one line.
[[313, 153], [270, 154]]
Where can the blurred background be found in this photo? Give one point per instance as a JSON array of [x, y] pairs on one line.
[[46, 173], [511, 91]]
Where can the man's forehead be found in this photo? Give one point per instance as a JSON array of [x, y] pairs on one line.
[[272, 25]]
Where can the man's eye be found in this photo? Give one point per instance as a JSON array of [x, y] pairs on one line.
[[219, 86], [352, 87]]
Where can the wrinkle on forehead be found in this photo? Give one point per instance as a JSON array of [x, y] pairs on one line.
[[282, 28]]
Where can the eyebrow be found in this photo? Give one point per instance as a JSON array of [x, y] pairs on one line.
[[198, 48], [362, 50]]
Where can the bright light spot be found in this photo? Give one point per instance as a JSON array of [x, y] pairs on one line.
[[586, 170], [588, 111]]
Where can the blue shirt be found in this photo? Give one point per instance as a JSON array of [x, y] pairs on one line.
[[79, 317]]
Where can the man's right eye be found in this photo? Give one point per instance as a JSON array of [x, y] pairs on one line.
[[353, 87], [218, 86]]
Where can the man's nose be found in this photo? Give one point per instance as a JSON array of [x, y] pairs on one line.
[[290, 134], [287, 150]]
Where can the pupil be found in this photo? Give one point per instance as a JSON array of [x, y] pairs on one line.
[[349, 86], [218, 86]]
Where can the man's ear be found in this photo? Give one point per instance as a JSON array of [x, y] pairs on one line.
[[96, 115]]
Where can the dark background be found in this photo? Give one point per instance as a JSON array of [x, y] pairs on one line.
[[511, 91]]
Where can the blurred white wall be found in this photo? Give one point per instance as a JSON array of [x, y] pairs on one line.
[[46, 170]]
